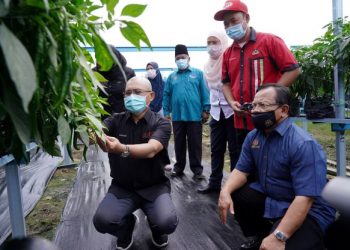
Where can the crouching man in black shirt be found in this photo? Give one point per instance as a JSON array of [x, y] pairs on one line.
[[136, 142]]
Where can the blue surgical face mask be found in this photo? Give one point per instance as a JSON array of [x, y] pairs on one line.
[[136, 104], [236, 32], [182, 64]]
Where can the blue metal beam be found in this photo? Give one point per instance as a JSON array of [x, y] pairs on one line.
[[153, 49]]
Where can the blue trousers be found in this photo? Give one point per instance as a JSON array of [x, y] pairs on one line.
[[114, 216]]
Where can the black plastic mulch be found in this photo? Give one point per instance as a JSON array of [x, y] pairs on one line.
[[34, 178], [199, 226]]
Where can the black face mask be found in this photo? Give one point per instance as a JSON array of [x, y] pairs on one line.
[[264, 120]]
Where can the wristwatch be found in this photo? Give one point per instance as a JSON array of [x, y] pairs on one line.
[[280, 236], [126, 152]]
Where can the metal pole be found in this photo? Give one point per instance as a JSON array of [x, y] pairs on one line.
[[339, 95], [15, 200], [305, 124]]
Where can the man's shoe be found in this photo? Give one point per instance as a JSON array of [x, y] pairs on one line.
[[124, 244], [208, 189], [198, 177], [252, 243], [176, 174], [160, 241]]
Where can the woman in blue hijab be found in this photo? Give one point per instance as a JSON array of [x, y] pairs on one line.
[[155, 77]]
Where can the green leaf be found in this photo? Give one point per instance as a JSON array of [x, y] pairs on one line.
[[100, 77], [93, 8], [63, 130], [111, 5], [344, 44], [133, 10], [19, 64], [95, 121], [109, 24], [87, 68], [94, 18], [102, 53], [81, 82], [19, 118], [38, 4], [84, 137], [81, 128], [134, 34]]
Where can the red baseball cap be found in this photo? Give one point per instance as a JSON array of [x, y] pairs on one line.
[[231, 6]]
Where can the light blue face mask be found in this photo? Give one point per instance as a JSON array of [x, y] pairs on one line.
[[136, 104], [182, 64], [235, 32]]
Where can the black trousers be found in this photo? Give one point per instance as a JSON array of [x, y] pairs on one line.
[[114, 216], [337, 235], [241, 134], [249, 208], [192, 133], [222, 133]]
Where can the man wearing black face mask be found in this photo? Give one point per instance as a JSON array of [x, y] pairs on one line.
[[283, 208]]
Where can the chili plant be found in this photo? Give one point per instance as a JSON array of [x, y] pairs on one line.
[[47, 87]]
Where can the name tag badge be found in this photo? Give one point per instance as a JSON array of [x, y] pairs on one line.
[[255, 144], [193, 76]]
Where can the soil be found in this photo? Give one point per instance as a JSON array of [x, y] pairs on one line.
[[46, 215]]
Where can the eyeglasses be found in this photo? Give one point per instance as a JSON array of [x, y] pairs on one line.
[[136, 92], [263, 105]]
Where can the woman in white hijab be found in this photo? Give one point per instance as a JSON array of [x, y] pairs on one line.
[[221, 124]]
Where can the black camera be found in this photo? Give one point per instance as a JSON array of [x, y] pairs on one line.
[[247, 106]]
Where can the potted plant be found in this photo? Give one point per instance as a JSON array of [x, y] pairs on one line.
[[316, 83]]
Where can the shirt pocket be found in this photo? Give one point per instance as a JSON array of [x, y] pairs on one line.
[[279, 168]]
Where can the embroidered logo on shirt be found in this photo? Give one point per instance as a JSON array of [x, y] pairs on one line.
[[193, 76], [255, 52], [255, 144]]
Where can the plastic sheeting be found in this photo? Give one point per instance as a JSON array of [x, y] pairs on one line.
[[199, 226], [34, 178]]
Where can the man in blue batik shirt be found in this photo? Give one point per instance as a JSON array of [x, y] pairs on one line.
[[282, 207], [186, 98]]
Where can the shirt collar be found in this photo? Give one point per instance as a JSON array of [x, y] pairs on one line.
[[147, 115], [252, 37], [283, 126], [183, 71]]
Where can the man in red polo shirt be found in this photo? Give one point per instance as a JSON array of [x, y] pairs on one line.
[[253, 59]]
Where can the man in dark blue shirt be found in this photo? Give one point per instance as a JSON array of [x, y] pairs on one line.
[[136, 142], [282, 207]]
